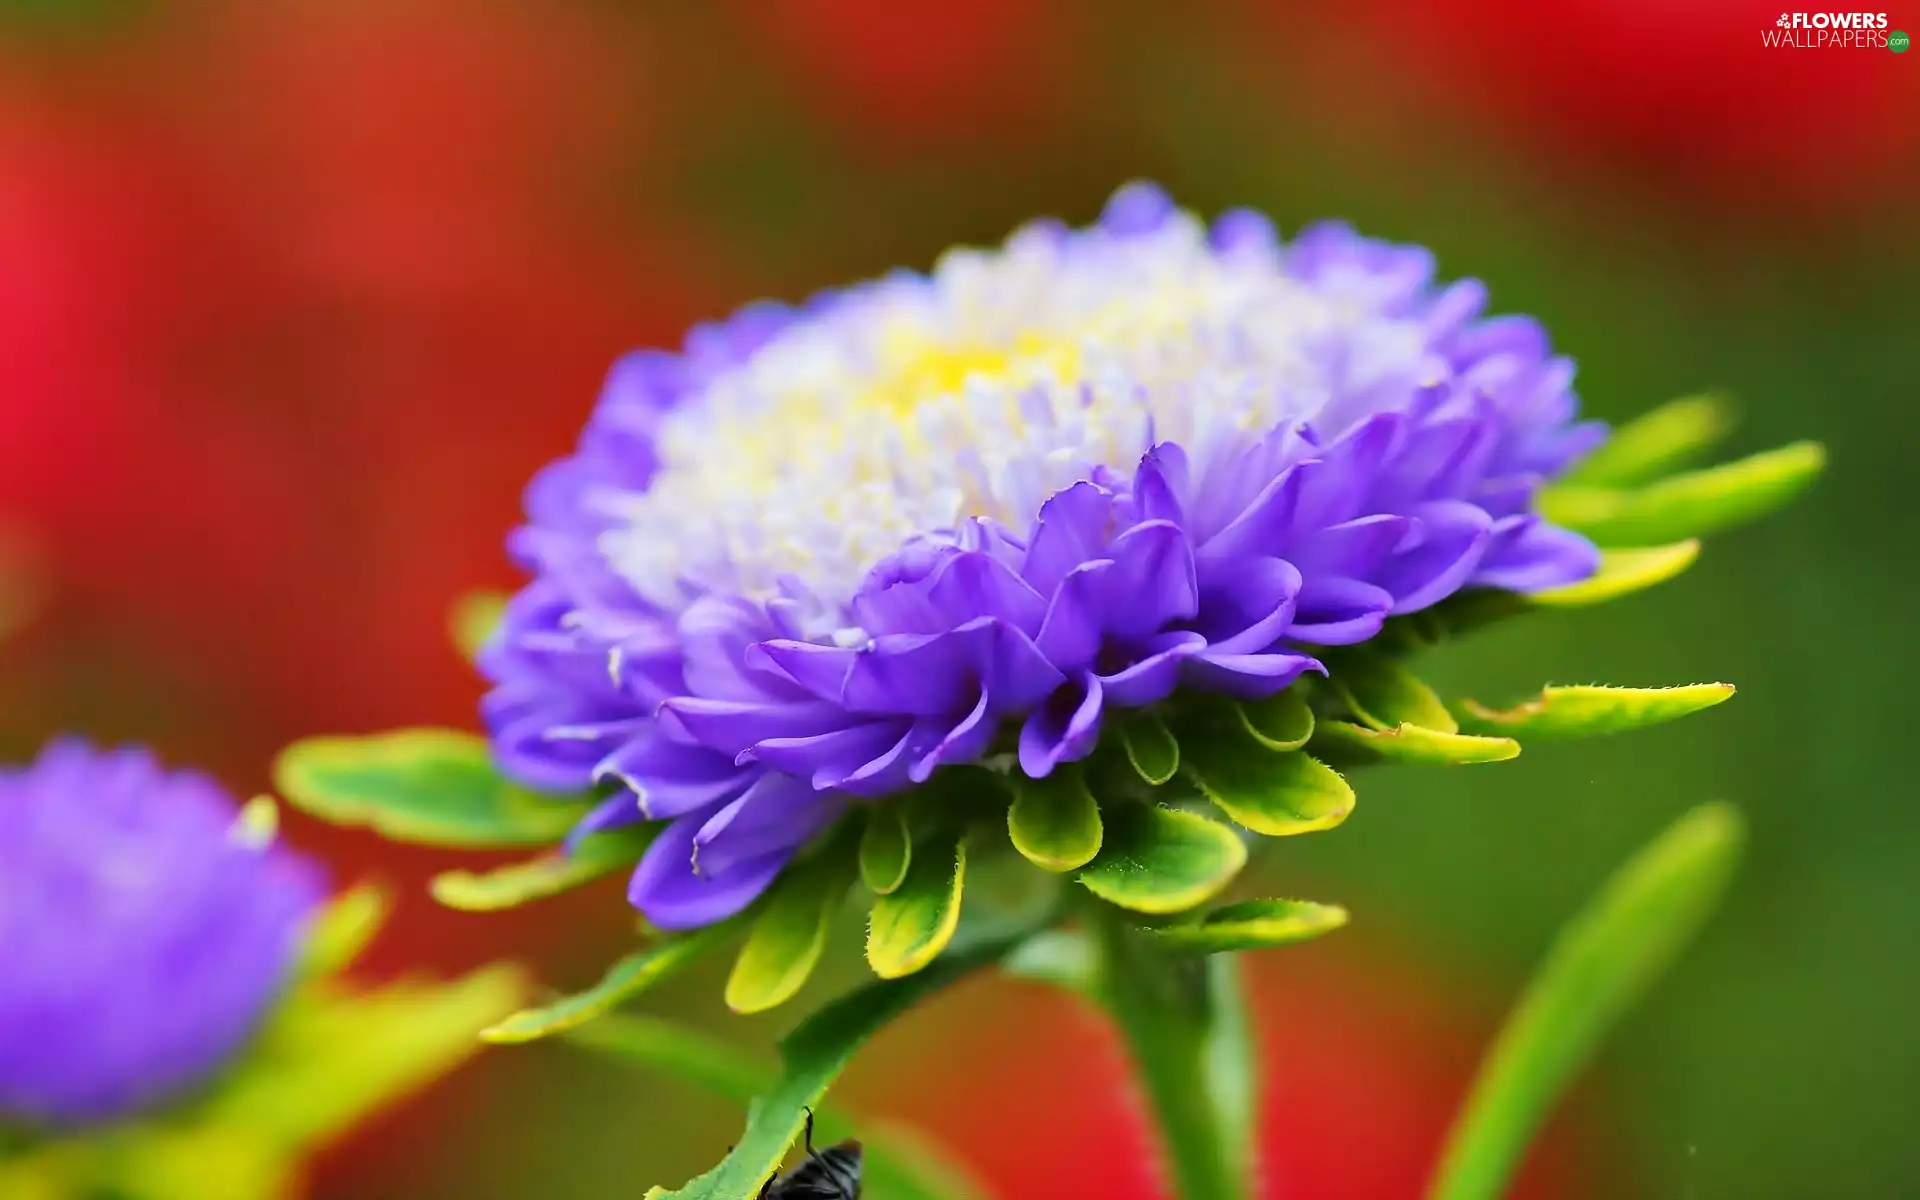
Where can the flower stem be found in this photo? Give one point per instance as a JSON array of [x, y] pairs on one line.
[[1185, 1028]]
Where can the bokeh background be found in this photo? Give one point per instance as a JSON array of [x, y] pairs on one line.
[[294, 296]]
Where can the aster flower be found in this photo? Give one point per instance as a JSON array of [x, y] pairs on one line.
[[1051, 559], [1092, 538], [823, 554], [154, 936]]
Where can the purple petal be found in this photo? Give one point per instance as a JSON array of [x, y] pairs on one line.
[[1338, 612], [1065, 729], [1152, 584], [665, 887], [1456, 535]]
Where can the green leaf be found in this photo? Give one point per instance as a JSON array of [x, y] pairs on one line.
[[886, 849], [1383, 694], [1150, 747], [343, 929], [789, 933], [548, 875], [327, 1059], [813, 1055], [1356, 745], [911, 925], [1690, 505], [624, 980], [1162, 860], [1278, 795], [1054, 822], [1252, 925], [474, 619], [1603, 960], [899, 1163], [433, 787], [1282, 721], [1585, 711], [1656, 443], [1621, 573]]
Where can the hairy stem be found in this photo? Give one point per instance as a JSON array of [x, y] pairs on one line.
[[1182, 1019]]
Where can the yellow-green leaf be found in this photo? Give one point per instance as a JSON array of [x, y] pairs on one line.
[[1283, 721], [1278, 795], [1603, 960], [1690, 505], [343, 928], [258, 823], [1382, 693], [474, 619], [1150, 747], [434, 787], [1055, 822], [789, 934], [1356, 744], [1585, 711], [1162, 860], [329, 1059], [912, 924], [886, 849], [1656, 443], [624, 980], [1621, 573], [1252, 925], [549, 874]]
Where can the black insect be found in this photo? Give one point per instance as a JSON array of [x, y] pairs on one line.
[[830, 1174]]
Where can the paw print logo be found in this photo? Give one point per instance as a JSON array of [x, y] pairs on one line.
[[1784, 22]]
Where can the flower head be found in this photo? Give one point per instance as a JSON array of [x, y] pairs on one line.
[[141, 938], [823, 552]]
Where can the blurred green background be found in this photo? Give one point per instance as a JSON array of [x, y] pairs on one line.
[[295, 296]]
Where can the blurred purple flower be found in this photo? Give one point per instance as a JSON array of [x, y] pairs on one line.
[[140, 938], [824, 551]]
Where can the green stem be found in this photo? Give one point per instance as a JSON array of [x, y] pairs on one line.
[[1184, 1025]]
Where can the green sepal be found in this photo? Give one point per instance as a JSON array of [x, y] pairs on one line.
[[1150, 746], [549, 874], [1590, 710], [1282, 721], [1621, 573], [790, 931], [431, 787], [1384, 694], [1064, 958], [1054, 822], [1162, 860], [1356, 745], [624, 980], [1656, 443], [812, 1057], [474, 619], [1689, 505], [1278, 795], [1252, 925], [911, 925], [1600, 963], [886, 849]]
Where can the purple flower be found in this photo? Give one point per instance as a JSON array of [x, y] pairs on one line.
[[823, 552], [140, 939]]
